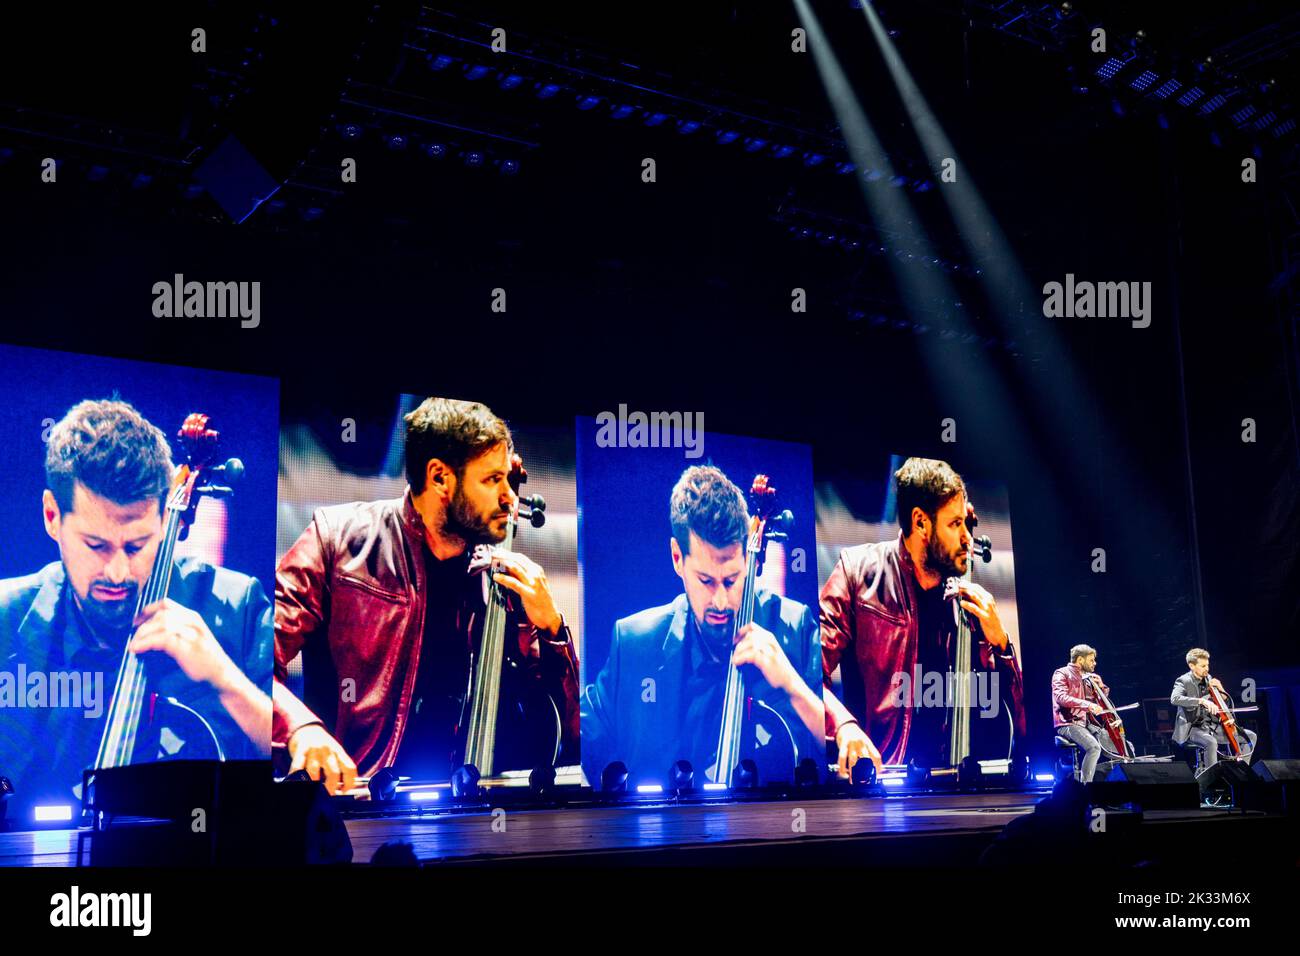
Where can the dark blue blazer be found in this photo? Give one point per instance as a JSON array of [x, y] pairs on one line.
[[620, 723], [34, 620]]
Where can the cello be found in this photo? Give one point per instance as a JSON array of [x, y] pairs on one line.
[[988, 739], [1226, 719], [503, 703], [1109, 719], [142, 726], [751, 730]]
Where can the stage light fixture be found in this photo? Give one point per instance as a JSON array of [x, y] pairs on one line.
[[655, 119], [587, 102], [541, 782], [546, 90], [508, 167], [613, 779], [465, 783], [441, 62], [725, 136], [622, 112], [745, 776], [687, 127], [863, 773], [473, 158], [477, 72], [510, 81], [435, 150], [806, 774], [681, 776], [383, 785]]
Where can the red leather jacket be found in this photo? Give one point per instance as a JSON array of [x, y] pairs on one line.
[[354, 580], [1069, 698], [869, 630]]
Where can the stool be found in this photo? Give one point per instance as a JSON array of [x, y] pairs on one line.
[[1075, 754]]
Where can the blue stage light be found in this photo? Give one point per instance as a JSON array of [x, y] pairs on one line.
[[1243, 114], [477, 72], [588, 102], [1191, 96], [1110, 67], [844, 168], [50, 813], [546, 90], [898, 182], [441, 62], [622, 112], [508, 167], [1144, 79], [97, 174], [510, 80], [141, 180], [395, 141], [782, 151], [1213, 103], [755, 143], [687, 127], [813, 159], [649, 788], [473, 158], [655, 119], [726, 136], [435, 150], [1167, 89]]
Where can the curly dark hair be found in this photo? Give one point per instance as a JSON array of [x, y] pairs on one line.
[[111, 449], [454, 432], [705, 501], [925, 483]]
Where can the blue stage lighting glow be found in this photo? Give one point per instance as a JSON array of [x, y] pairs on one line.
[[1244, 114], [350, 131], [1167, 89], [97, 174], [844, 168], [510, 81], [477, 72], [588, 102], [655, 119], [1109, 68], [898, 182], [396, 141], [509, 167], [1213, 103], [687, 127], [813, 159], [650, 788], [755, 143], [1044, 777], [441, 62], [726, 136], [1265, 120], [424, 796], [435, 150], [1286, 126], [546, 90], [622, 112], [782, 151], [1191, 96], [473, 158], [1144, 79], [894, 780], [52, 812], [715, 786]]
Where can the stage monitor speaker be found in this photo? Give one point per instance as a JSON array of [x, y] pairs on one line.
[[1278, 771], [201, 813], [1166, 785], [1279, 789]]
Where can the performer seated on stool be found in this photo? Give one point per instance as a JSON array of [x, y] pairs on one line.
[[1070, 708], [1197, 722]]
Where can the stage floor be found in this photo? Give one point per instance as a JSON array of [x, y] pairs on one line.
[[601, 830]]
